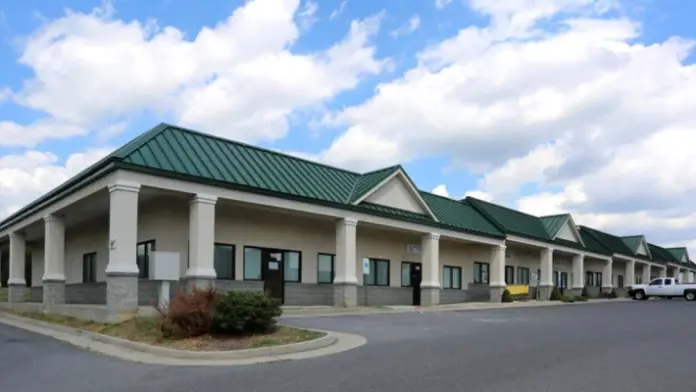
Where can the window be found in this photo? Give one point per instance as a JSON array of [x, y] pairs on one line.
[[668, 282], [293, 266], [563, 283], [598, 279], [451, 277], [406, 273], [509, 274], [556, 282], [656, 282], [620, 281], [481, 272], [252, 264], [379, 273], [589, 278], [325, 268], [89, 267], [144, 250], [522, 275], [223, 259]]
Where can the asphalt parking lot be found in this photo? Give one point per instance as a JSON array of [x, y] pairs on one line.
[[617, 346]]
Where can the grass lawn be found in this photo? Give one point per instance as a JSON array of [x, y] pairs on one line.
[[145, 330], [3, 294]]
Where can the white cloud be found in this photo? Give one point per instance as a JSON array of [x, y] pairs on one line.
[[407, 28], [585, 115], [440, 4], [441, 190], [308, 15], [338, 11], [25, 177], [246, 90]]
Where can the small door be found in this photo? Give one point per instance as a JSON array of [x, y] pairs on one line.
[[273, 274], [416, 279]]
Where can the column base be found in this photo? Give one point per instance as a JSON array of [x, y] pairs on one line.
[[497, 293], [345, 295], [574, 292], [53, 292], [430, 296], [16, 293], [121, 297], [202, 282], [544, 292]]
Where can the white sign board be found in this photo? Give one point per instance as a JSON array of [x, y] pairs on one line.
[[366, 266], [411, 248]]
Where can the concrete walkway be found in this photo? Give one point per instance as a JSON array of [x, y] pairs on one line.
[[314, 311]]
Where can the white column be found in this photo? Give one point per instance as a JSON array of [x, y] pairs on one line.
[[546, 269], [646, 273], [430, 259], [202, 238], [345, 280], [630, 273], [496, 276], [16, 282], [123, 229], [664, 271], [578, 272], [17, 258], [607, 278], [54, 249]]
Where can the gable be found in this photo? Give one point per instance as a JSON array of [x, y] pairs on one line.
[[567, 232], [396, 193], [642, 249], [684, 259]]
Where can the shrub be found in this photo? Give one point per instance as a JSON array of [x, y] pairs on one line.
[[188, 314], [555, 294], [567, 299], [581, 298], [238, 312], [506, 297]]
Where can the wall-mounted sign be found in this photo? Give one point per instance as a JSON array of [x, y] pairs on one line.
[[413, 248], [112, 244], [366, 266]]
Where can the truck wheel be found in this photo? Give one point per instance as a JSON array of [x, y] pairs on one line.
[[690, 296], [639, 295]]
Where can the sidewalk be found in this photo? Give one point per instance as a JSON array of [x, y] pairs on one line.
[[323, 311]]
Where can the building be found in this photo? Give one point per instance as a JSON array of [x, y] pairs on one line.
[[247, 218]]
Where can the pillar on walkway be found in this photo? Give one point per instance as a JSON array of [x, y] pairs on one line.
[[122, 270], [430, 259], [201, 270], [674, 272], [578, 275], [607, 276], [16, 283], [497, 273], [546, 278], [54, 261], [646, 273], [630, 273], [663, 271], [346, 281]]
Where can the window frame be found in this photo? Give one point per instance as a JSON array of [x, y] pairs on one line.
[[401, 272], [598, 279], [511, 269], [373, 267], [145, 275], [234, 261], [285, 264], [92, 270], [478, 277], [589, 278], [284, 252], [333, 267], [452, 268], [620, 281], [520, 275]]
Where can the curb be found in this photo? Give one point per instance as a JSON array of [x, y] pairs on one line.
[[325, 341]]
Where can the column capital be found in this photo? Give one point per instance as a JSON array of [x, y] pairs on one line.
[[16, 236], [201, 198], [53, 218], [124, 186], [501, 247], [579, 256], [349, 221], [432, 236]]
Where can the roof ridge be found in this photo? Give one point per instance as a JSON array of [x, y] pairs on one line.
[[502, 206], [393, 167], [262, 149], [554, 215], [633, 236]]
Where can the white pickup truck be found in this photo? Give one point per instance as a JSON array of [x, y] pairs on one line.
[[664, 288]]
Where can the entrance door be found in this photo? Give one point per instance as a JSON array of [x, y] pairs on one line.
[[273, 274], [416, 279]]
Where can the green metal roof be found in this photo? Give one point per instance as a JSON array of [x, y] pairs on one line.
[[662, 255], [593, 243], [609, 241], [459, 214], [367, 182], [633, 242], [553, 223], [678, 254]]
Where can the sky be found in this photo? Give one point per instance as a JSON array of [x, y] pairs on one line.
[[546, 106]]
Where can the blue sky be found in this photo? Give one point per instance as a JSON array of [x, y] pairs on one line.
[[377, 93]]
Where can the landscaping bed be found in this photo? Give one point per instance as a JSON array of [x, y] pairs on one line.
[[193, 321]]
